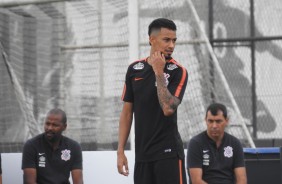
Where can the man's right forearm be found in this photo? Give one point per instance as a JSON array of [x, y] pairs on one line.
[[29, 182], [196, 175], [29, 176], [26, 181], [124, 129], [124, 126], [199, 182]]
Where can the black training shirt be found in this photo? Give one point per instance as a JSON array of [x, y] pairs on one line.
[[156, 135], [52, 166], [218, 164]]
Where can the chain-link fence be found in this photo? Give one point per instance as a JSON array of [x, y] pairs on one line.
[[74, 55], [247, 39]]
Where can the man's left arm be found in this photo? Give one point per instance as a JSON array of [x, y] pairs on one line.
[[239, 164], [76, 172], [240, 175], [77, 177]]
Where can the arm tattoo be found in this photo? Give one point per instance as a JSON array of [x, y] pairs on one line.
[[166, 99]]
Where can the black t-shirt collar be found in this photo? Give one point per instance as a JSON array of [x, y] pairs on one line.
[[48, 144], [212, 142]]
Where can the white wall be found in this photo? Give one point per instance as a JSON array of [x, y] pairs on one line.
[[99, 167], [11, 168]]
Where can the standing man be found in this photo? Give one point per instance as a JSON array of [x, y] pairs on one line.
[[154, 88], [50, 156], [214, 156]]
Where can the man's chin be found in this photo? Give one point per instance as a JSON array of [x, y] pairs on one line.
[[168, 57], [214, 134], [50, 138]]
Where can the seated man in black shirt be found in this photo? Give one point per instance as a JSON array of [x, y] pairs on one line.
[[50, 157], [214, 156]]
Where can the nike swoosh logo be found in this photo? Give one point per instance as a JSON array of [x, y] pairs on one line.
[[138, 78], [41, 153], [205, 151]]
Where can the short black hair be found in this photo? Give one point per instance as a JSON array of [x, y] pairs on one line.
[[159, 23], [215, 107], [60, 112]]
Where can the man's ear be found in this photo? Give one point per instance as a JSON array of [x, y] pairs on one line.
[[206, 121], [227, 120], [151, 39], [65, 126]]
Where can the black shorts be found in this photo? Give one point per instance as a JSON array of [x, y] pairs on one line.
[[166, 171]]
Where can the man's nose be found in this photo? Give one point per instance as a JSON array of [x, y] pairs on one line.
[[214, 125], [49, 127], [171, 44]]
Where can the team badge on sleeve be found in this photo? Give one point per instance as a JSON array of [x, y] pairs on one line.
[[66, 155], [228, 151], [172, 66], [138, 66]]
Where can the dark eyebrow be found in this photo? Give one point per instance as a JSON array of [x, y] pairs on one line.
[[167, 38]]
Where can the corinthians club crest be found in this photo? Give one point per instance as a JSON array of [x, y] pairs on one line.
[[228, 151], [66, 155]]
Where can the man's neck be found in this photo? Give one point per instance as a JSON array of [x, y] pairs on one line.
[[55, 144], [217, 140]]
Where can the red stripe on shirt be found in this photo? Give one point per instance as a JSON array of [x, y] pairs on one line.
[[180, 85]]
